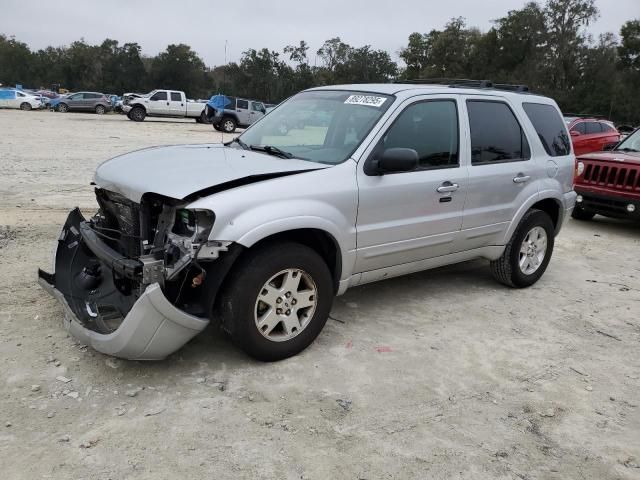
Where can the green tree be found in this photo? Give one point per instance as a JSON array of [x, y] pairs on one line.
[[180, 68]]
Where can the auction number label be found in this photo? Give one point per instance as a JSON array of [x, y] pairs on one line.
[[370, 100]]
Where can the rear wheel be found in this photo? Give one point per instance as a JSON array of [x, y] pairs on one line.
[[528, 253], [277, 300], [25, 106], [100, 110], [137, 114], [63, 107], [228, 125], [580, 214], [217, 127]]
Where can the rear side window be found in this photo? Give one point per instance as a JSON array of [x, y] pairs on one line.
[[593, 127], [606, 127], [496, 135], [176, 97], [549, 127], [580, 127], [431, 129], [244, 104], [159, 96]]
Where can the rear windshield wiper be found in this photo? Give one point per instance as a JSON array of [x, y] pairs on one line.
[[627, 149], [271, 150]]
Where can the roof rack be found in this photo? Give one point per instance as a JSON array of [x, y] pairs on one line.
[[466, 83]]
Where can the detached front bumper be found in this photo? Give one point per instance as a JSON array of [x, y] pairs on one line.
[[152, 327]]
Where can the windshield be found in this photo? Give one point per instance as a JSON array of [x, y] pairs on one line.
[[324, 126], [631, 143]]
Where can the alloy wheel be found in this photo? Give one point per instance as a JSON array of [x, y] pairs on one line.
[[285, 305]]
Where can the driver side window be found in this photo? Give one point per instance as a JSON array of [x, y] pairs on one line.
[[431, 129]]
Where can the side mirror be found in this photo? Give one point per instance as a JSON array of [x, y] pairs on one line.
[[575, 133], [395, 160]]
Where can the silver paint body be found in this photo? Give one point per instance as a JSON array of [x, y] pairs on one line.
[[385, 225]]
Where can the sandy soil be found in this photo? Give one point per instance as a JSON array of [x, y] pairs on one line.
[[443, 374]]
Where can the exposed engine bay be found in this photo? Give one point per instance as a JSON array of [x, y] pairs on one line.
[[104, 264]]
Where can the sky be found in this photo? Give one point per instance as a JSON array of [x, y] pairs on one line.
[[207, 25]]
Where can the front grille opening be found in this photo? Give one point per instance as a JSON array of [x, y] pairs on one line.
[[631, 179], [612, 175]]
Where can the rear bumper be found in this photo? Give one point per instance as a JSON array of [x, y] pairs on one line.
[[607, 204], [151, 327]]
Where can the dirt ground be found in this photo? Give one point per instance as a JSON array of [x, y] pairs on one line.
[[442, 375]]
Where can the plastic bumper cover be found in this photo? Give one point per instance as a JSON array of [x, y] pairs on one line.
[[152, 329]]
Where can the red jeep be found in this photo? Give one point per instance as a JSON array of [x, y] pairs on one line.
[[590, 134], [608, 182]]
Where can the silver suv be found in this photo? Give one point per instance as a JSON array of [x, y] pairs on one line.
[[371, 182]]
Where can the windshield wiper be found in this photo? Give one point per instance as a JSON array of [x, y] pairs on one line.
[[239, 142], [627, 149], [271, 150]]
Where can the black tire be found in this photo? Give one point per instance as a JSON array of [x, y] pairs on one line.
[[239, 299], [26, 106], [228, 125], [580, 214], [507, 268], [137, 114], [202, 118], [63, 107], [217, 127], [100, 109]]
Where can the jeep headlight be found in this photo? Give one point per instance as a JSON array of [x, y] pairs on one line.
[[579, 168]]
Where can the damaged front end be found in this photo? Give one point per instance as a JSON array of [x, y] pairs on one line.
[[138, 281]]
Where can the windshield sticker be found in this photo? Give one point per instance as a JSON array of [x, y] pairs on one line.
[[370, 100]]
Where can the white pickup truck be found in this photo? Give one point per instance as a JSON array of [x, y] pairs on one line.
[[164, 103]]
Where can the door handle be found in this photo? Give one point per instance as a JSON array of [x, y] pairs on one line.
[[521, 178], [167, 103], [447, 187]]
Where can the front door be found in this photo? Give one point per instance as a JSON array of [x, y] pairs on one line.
[[242, 111], [158, 104], [411, 216], [257, 111], [502, 175]]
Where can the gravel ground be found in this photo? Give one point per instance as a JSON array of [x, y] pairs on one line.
[[443, 374]]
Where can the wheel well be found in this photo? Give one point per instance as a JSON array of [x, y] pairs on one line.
[[551, 208], [322, 242], [137, 105]]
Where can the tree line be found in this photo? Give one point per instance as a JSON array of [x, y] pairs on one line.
[[545, 46]]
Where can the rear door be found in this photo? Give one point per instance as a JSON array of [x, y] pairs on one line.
[[177, 104], [595, 137], [242, 111], [411, 216], [502, 175]]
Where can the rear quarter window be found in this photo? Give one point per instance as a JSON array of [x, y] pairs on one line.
[[550, 128]]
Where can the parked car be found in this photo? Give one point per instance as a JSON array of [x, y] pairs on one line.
[[83, 102], [261, 233], [239, 112], [590, 134], [625, 130], [608, 183], [13, 98], [164, 103]]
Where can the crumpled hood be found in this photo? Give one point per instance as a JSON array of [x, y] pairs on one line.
[[178, 171]]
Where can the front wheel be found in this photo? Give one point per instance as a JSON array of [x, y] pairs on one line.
[[63, 107], [137, 114], [527, 255], [100, 110], [25, 106], [228, 125], [277, 300]]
